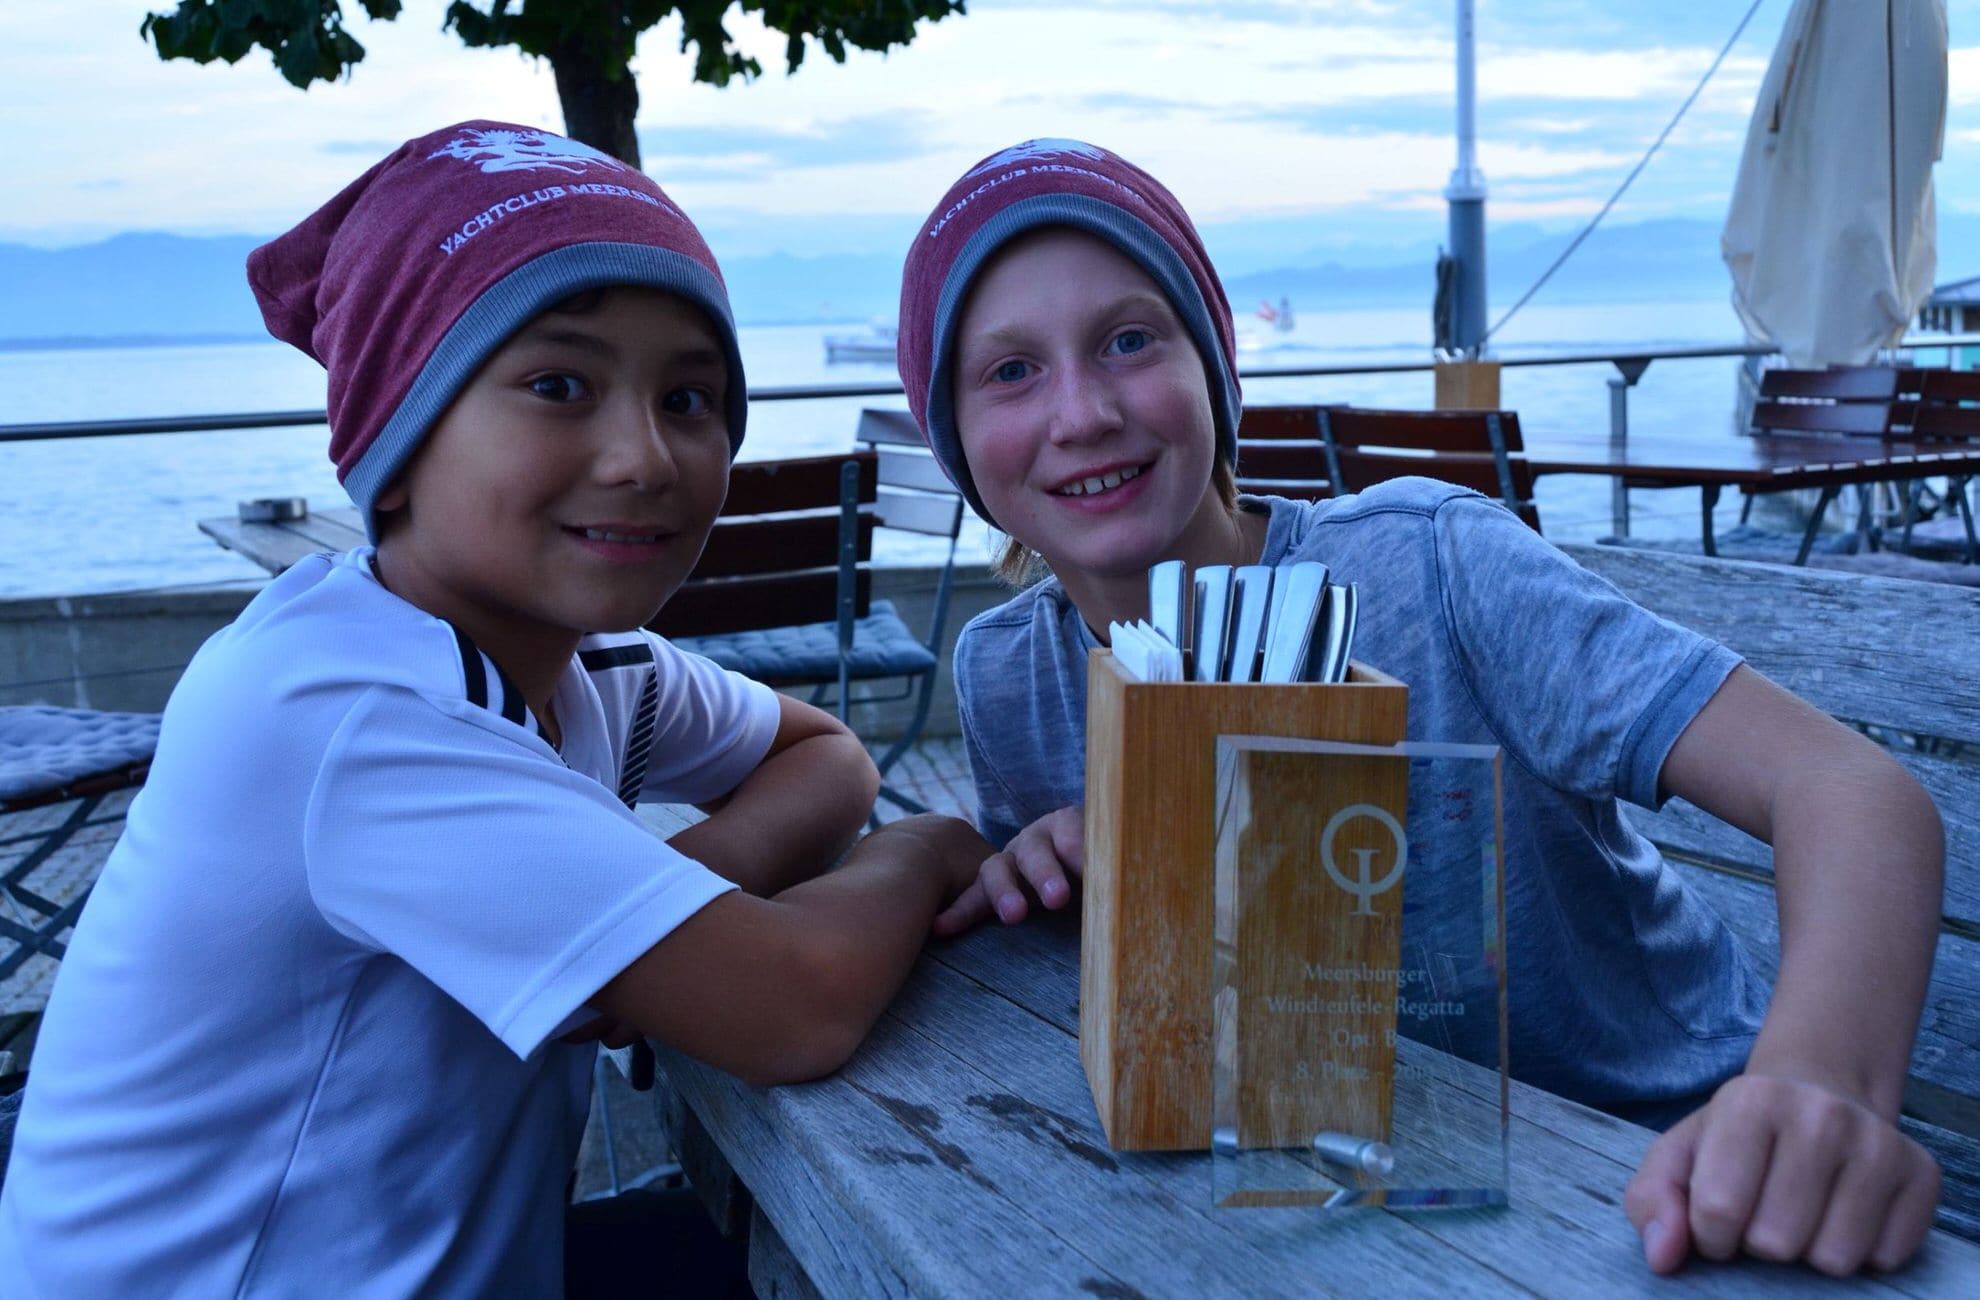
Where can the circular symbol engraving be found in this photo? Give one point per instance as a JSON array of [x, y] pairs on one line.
[[1363, 887]]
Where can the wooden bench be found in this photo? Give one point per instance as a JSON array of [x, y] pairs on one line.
[[1827, 637]]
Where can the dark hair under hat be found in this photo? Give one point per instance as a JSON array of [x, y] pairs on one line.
[[1020, 189], [404, 284]]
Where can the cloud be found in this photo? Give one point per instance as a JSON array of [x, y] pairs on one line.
[[362, 148], [721, 149]]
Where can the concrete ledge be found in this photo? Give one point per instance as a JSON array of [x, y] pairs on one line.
[[117, 650]]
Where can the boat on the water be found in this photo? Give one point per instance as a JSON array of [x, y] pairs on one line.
[[876, 346]]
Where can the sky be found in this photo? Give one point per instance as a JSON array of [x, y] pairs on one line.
[[1308, 123]]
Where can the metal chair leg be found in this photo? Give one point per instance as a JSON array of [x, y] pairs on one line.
[[605, 1121], [1815, 523], [1708, 497], [1956, 489]]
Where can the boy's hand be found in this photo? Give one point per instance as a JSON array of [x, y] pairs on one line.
[[1784, 1169], [1041, 856]]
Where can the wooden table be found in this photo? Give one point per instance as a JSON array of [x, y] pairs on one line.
[[277, 546], [959, 1154], [1775, 463]]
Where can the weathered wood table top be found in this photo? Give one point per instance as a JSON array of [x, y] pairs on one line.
[[276, 546], [959, 1155]]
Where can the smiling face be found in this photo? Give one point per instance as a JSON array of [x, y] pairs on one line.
[[1084, 412], [572, 484]]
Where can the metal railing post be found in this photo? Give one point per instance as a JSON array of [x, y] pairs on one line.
[[1628, 372]]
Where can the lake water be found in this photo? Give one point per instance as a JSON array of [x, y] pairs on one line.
[[115, 514]]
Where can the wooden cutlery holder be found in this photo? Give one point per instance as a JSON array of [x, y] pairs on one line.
[[1148, 909]]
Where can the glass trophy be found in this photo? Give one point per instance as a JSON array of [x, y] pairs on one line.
[[1359, 975]]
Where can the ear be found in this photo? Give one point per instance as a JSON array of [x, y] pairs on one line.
[[392, 498]]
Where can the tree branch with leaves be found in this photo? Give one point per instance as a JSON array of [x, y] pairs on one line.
[[590, 44]]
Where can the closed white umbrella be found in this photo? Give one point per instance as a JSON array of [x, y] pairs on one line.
[[1830, 239]]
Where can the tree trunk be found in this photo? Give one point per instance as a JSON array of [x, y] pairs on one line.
[[597, 112]]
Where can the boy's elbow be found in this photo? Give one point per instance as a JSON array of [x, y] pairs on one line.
[[1911, 808], [866, 773], [827, 1015]]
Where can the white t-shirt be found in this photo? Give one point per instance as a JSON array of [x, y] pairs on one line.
[[303, 1041]]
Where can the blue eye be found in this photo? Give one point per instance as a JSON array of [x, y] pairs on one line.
[[1128, 342], [687, 402], [1010, 372], [558, 387]]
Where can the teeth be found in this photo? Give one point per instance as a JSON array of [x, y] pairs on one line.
[[600, 535], [1104, 483]]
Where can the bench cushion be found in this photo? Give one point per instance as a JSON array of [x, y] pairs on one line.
[[44, 748], [882, 647]]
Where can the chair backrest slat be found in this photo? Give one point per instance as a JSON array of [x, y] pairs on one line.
[[1837, 383], [1274, 423], [1942, 385], [1297, 489], [913, 469], [1934, 421], [1366, 468], [753, 544], [1293, 461], [742, 604], [1871, 418], [920, 512], [764, 487], [1435, 431], [891, 427]]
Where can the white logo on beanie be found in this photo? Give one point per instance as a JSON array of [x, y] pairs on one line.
[[515, 151], [1044, 148]]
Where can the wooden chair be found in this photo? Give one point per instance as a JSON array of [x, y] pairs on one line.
[[783, 591], [1481, 450], [1839, 401], [1858, 400], [61, 774], [1282, 453], [1945, 408], [1889, 402]]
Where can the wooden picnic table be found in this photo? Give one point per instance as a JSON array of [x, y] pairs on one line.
[[276, 546], [959, 1154]]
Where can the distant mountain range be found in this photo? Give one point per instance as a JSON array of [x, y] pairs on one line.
[[143, 287]]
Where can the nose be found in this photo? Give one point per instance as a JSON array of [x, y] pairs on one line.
[[633, 450], [1084, 404]]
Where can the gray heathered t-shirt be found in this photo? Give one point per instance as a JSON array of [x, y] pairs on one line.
[[1625, 990]]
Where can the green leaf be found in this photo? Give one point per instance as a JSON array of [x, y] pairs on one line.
[[298, 59]]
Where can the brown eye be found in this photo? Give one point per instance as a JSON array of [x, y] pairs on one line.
[[687, 402], [558, 387]]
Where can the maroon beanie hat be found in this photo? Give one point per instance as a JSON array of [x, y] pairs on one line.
[[1052, 183], [405, 283]]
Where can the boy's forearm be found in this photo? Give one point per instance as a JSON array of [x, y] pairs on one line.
[[791, 818], [1859, 867], [803, 976]]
